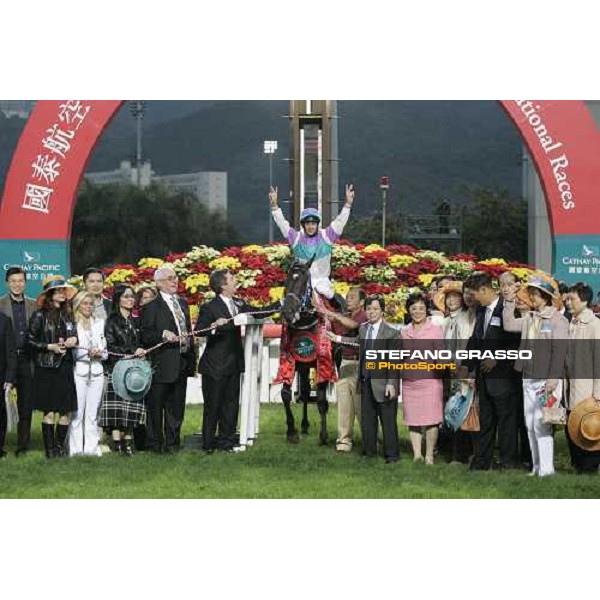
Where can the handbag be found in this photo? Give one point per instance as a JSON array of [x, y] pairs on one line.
[[553, 412], [554, 415], [457, 407], [471, 423]]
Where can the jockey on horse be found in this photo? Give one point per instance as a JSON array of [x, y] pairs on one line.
[[303, 338], [314, 241]]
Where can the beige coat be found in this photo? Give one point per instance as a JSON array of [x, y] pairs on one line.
[[546, 334], [584, 351]]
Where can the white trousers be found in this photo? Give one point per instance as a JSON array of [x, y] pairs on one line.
[[84, 433], [541, 440], [323, 286]]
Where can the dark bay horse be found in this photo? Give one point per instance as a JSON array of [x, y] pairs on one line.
[[303, 346]]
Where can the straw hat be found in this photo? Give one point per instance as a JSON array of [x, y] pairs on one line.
[[584, 425], [439, 300], [55, 282]]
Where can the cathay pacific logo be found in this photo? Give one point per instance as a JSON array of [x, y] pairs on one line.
[[589, 251], [31, 257]]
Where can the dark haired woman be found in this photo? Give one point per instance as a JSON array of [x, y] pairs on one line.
[[422, 397], [52, 335], [119, 415]]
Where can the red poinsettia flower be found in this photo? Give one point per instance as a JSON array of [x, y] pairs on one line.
[[234, 251], [401, 249], [494, 270], [253, 261], [463, 257], [173, 257], [349, 274], [377, 257]]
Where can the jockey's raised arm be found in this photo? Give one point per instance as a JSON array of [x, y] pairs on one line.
[[333, 231], [310, 241]]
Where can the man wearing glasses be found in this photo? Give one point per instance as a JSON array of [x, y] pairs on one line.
[[167, 319]]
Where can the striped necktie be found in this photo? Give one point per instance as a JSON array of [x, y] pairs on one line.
[[184, 340]]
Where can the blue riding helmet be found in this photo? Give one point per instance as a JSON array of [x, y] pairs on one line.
[[310, 214]]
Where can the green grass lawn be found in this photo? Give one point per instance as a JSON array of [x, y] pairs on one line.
[[273, 469]]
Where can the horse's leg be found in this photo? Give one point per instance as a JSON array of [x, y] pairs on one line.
[[323, 407], [304, 382], [286, 397]]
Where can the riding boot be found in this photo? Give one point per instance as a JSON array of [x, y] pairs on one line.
[[48, 435], [338, 304], [61, 438]]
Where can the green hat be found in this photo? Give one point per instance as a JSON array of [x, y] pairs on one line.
[[132, 378]]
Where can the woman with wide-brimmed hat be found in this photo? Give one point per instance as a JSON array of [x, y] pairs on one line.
[[120, 414], [544, 331], [52, 336], [458, 325]]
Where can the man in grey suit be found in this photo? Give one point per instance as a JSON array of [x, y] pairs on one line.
[[379, 390], [18, 308]]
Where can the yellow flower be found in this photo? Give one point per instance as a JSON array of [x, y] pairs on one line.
[[276, 293], [193, 282], [372, 248], [150, 263], [401, 260], [225, 262], [400, 314], [522, 273], [426, 279], [341, 288], [119, 276], [253, 249], [493, 261]]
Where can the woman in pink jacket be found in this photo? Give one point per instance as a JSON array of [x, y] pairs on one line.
[[422, 394]]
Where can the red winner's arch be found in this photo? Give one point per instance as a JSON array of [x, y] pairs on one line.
[[41, 184]]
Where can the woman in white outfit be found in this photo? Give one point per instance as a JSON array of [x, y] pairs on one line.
[[84, 434], [545, 332]]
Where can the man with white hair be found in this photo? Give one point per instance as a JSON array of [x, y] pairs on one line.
[[167, 319]]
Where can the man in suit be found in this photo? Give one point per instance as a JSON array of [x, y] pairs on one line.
[[167, 319], [496, 381], [379, 391], [19, 308], [93, 282], [8, 368], [222, 362]]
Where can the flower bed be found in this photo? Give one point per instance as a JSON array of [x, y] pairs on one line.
[[394, 271]]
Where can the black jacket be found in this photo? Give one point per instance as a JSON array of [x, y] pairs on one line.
[[122, 336], [224, 353], [42, 332], [8, 356], [168, 362], [502, 378]]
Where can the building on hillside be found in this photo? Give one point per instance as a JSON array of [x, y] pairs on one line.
[[210, 187]]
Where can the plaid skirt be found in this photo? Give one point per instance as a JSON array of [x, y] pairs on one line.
[[119, 413]]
